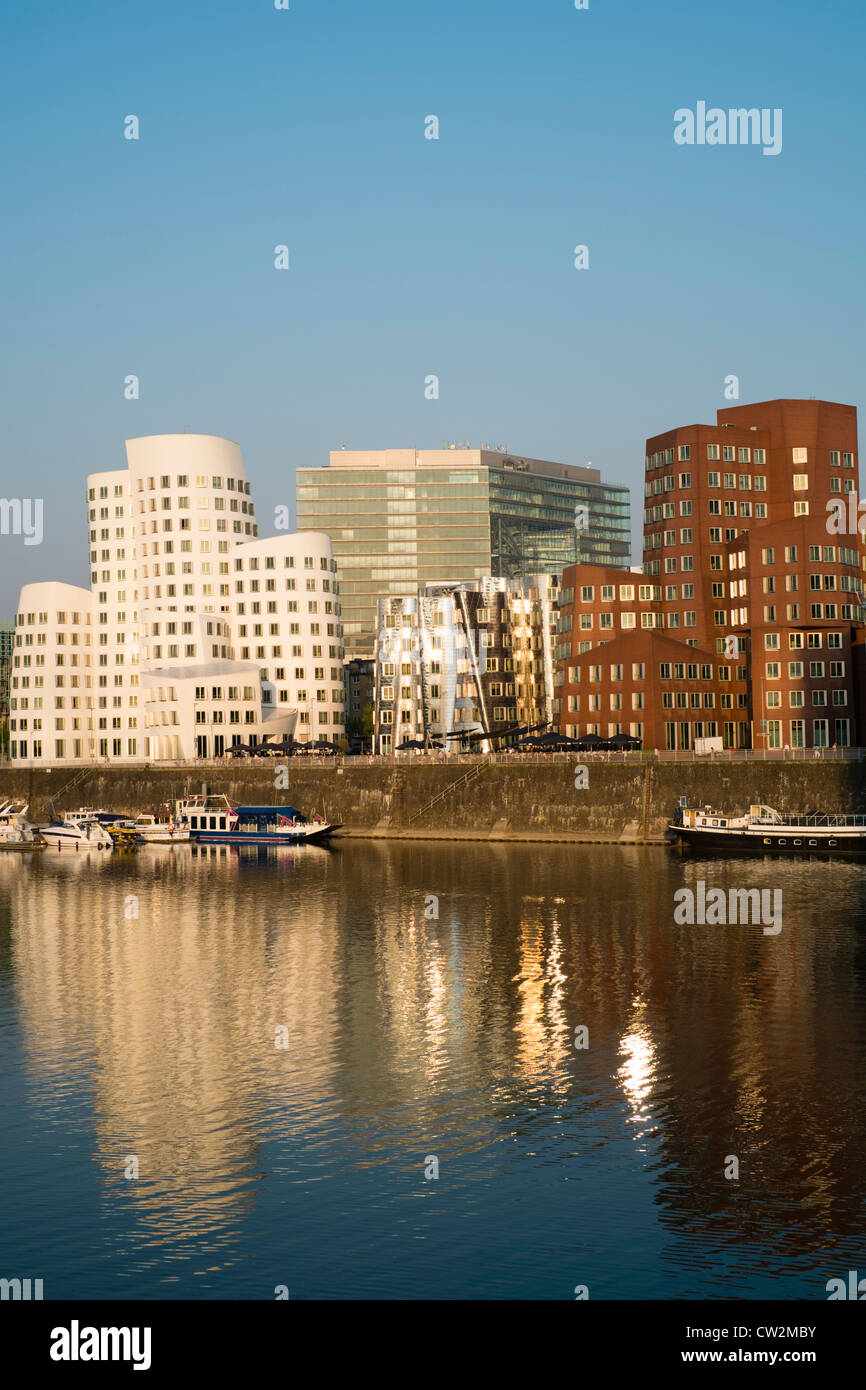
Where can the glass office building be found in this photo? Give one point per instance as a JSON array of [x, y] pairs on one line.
[[400, 519]]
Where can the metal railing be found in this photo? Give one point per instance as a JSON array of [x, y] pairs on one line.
[[647, 755]]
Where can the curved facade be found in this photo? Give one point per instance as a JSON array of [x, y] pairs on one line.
[[195, 634]]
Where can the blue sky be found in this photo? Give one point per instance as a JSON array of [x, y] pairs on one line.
[[412, 256]]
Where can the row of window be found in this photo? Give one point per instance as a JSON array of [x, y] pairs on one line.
[[796, 698], [731, 453], [19, 748], [814, 641]]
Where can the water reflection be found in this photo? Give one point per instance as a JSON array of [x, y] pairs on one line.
[[429, 996]]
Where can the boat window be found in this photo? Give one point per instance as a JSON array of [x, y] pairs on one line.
[[715, 822], [783, 842], [767, 840], [213, 821], [193, 820], [723, 822], [831, 842], [813, 842], [222, 822], [798, 842]]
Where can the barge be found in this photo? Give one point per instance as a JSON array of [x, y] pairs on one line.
[[766, 831]]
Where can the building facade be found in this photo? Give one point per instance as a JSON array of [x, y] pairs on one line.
[[359, 681], [401, 519], [460, 659], [744, 569], [195, 634], [7, 642]]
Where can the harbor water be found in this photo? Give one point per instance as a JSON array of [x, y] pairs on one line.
[[428, 1071]]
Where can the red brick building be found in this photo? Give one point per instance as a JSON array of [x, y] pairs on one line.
[[620, 672], [740, 556]]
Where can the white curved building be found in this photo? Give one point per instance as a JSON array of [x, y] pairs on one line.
[[195, 635]]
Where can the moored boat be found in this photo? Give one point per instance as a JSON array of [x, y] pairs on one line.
[[213, 820], [16, 831], [767, 831], [78, 831], [123, 833], [160, 830]]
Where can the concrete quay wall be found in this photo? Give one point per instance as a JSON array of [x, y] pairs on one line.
[[623, 801]]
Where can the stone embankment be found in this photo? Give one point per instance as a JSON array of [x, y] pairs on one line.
[[626, 802]]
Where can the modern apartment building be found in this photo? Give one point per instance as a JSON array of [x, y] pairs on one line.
[[7, 641], [195, 634], [359, 681], [465, 658], [401, 519], [745, 572], [796, 593]]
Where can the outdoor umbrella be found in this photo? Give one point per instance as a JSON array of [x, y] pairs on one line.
[[554, 740], [623, 741], [587, 742]]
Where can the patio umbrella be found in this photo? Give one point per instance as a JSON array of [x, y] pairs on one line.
[[554, 740], [623, 742], [587, 742]]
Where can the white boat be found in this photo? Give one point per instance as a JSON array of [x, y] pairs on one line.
[[213, 820], [16, 831], [160, 830], [78, 831]]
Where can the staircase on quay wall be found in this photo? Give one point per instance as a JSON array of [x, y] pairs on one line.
[[463, 781]]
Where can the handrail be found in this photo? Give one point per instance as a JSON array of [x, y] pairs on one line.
[[474, 771]]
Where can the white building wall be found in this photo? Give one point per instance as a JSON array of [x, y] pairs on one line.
[[50, 686], [196, 630]]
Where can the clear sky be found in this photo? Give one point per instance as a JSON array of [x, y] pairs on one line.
[[409, 256]]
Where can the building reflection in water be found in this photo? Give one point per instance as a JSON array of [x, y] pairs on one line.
[[414, 1031]]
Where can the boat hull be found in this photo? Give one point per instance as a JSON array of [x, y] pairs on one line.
[[56, 837], [782, 840], [255, 837]]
